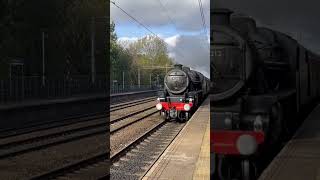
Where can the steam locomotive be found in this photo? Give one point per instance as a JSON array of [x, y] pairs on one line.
[[260, 79], [184, 90]]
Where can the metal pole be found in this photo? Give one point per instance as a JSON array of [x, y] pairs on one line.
[[150, 80], [166, 68], [10, 77], [123, 80], [43, 60], [22, 82], [157, 80], [139, 78], [93, 70]]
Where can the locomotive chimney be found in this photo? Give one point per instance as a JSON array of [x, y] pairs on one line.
[[220, 16], [186, 68], [178, 66]]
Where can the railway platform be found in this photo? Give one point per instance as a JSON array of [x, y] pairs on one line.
[[300, 158], [188, 156]]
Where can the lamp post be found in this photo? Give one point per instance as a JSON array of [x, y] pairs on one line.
[[93, 68], [43, 36], [94, 21], [139, 77]]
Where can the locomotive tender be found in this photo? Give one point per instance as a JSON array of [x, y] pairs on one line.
[[259, 77], [184, 90]]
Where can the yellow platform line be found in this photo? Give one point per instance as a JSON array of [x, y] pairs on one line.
[[202, 171]]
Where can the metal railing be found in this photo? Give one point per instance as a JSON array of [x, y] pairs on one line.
[[130, 88], [31, 88], [28, 88]]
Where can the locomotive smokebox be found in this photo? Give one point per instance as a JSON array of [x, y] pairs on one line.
[[176, 81], [220, 16]]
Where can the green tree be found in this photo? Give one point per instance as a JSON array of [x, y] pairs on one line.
[[147, 52], [120, 57], [68, 27], [150, 50]]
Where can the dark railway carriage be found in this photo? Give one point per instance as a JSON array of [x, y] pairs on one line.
[[184, 90], [260, 79]]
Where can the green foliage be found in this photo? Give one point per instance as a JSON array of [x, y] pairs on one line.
[[150, 50], [68, 27], [138, 56]]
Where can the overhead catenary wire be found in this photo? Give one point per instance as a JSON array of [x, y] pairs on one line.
[[202, 16], [133, 18], [169, 17], [175, 24], [204, 26], [167, 12]]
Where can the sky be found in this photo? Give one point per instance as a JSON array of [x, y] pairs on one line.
[[177, 22], [297, 18]]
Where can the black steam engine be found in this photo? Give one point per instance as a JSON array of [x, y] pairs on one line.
[[184, 90], [260, 79]]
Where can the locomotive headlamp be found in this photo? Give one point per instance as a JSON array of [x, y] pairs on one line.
[[228, 122], [159, 106], [190, 99], [258, 123], [186, 107], [246, 144]]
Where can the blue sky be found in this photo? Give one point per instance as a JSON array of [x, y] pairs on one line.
[[177, 22], [134, 30]]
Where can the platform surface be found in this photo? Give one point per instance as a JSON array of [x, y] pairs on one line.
[[300, 158], [188, 156]]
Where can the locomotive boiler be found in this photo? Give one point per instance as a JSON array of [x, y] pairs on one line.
[[260, 79], [184, 90]]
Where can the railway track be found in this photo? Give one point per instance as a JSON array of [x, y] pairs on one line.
[[99, 160], [134, 160], [53, 137], [36, 140], [96, 167], [6, 133], [131, 103]]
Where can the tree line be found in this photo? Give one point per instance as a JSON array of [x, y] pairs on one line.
[[138, 57]]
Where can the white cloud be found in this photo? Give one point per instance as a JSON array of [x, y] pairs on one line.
[[130, 39], [193, 51], [126, 41], [172, 41]]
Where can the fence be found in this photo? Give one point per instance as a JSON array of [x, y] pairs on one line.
[[130, 88], [19, 89], [31, 88]]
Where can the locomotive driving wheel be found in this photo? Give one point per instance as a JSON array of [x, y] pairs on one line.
[[247, 170], [231, 168]]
